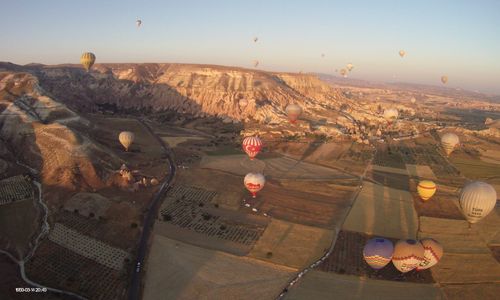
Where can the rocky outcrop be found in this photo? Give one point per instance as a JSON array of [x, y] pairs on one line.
[[41, 131]]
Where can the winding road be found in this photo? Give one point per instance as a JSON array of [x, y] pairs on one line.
[[135, 287]]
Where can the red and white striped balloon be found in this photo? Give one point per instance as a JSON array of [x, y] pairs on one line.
[[252, 146]]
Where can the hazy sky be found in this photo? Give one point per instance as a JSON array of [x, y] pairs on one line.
[[458, 38]]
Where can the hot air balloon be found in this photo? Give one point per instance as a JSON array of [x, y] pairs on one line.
[[413, 100], [293, 112], [343, 72], [449, 141], [477, 199], [255, 63], [408, 254], [243, 102], [255, 39], [444, 79], [254, 182], [87, 60], [433, 251], [378, 252], [390, 115], [322, 55], [126, 138], [251, 146], [426, 189], [402, 53], [138, 23], [349, 67]]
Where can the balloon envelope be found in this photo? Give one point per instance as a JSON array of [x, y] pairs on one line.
[[402, 53], [444, 79], [378, 252], [252, 146], [433, 251], [408, 254], [349, 66], [391, 114], [254, 182], [126, 138], [343, 72], [293, 112], [138, 23], [477, 199], [449, 141], [426, 189], [87, 60]]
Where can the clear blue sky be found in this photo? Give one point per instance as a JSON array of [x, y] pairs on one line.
[[458, 38]]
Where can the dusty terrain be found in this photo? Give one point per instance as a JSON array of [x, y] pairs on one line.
[[338, 176]]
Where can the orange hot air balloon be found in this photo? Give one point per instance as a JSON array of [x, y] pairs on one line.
[[252, 146], [254, 182], [426, 189]]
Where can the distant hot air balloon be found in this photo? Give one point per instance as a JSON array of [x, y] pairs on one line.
[[433, 251], [126, 138], [255, 63], [390, 115], [322, 55], [477, 199], [426, 189], [252, 146], [293, 112], [343, 72], [402, 53], [254, 182], [138, 22], [449, 141], [243, 102], [378, 252], [413, 100], [408, 254], [349, 66], [87, 60], [255, 39], [444, 79]]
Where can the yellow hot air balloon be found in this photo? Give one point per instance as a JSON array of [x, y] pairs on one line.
[[126, 138], [87, 60], [449, 141], [444, 79], [426, 189], [349, 66], [402, 53]]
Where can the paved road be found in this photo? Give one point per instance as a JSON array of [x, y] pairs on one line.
[[135, 288]]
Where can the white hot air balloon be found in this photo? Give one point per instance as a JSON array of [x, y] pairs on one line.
[[449, 141], [408, 254], [349, 67], [433, 251], [243, 103], [391, 115], [254, 182], [126, 138], [293, 112], [477, 199]]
